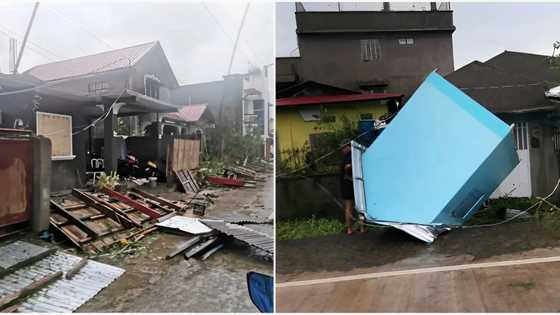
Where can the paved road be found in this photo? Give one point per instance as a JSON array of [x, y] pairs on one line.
[[515, 288]]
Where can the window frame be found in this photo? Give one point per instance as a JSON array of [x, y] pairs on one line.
[[37, 131]]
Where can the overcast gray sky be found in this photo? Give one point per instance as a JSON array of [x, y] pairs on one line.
[[483, 29], [197, 47]]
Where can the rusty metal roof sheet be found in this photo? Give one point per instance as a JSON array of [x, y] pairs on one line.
[[101, 62], [189, 113]]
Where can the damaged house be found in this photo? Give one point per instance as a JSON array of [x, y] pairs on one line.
[[512, 85], [128, 88]]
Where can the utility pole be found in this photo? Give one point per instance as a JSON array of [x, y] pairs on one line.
[[221, 112], [25, 37]]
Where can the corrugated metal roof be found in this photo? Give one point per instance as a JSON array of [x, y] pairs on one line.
[[189, 113], [330, 99], [62, 296], [105, 61]]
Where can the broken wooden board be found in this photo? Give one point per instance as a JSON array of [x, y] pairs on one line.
[[93, 222], [223, 181], [188, 181]]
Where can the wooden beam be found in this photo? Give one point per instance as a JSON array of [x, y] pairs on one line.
[[107, 209], [183, 247], [157, 198], [75, 269], [133, 203]]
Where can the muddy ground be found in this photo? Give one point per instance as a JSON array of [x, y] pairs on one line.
[[390, 249], [218, 284]]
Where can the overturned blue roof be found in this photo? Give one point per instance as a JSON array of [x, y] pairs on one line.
[[436, 163]]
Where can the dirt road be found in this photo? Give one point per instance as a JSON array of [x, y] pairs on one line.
[[153, 284], [515, 288]]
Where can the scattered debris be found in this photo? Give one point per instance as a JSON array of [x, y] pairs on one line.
[[185, 224], [94, 222], [200, 247], [244, 234], [217, 180], [183, 247], [38, 285], [75, 269], [212, 251], [188, 181]]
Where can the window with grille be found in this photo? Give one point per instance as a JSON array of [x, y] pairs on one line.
[[556, 139], [371, 49], [152, 88], [97, 87], [521, 135], [406, 41], [58, 128]]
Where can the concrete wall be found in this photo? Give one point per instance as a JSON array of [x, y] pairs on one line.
[[403, 67], [302, 198], [544, 161]]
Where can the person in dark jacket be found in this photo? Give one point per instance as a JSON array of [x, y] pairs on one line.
[[346, 185]]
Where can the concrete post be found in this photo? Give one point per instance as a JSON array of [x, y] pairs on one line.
[[109, 154], [41, 209]]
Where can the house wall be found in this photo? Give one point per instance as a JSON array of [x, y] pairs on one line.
[[116, 80], [65, 173], [153, 63], [293, 132], [544, 161], [210, 93], [403, 67]]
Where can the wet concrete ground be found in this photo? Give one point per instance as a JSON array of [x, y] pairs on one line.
[[390, 249], [218, 284]]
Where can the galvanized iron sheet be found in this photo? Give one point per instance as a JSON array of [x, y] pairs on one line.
[[18, 252], [251, 237], [63, 296]]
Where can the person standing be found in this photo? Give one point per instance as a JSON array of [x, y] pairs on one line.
[[347, 186]]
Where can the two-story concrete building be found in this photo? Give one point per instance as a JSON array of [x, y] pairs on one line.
[[372, 51]]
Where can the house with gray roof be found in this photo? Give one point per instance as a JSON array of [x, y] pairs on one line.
[[512, 85]]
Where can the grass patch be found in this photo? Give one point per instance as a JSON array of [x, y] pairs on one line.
[[306, 228], [522, 286]]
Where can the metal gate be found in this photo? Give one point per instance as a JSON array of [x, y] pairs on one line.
[[16, 178]]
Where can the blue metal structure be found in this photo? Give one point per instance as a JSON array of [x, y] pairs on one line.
[[436, 163]]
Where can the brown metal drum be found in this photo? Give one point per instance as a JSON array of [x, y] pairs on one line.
[[16, 180]]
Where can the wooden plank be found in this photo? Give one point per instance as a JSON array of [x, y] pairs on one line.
[[133, 203], [183, 247], [107, 209], [157, 198], [74, 219], [75, 269], [28, 290]]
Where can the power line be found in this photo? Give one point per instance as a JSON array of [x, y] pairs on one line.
[[8, 32], [82, 26], [229, 36]]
